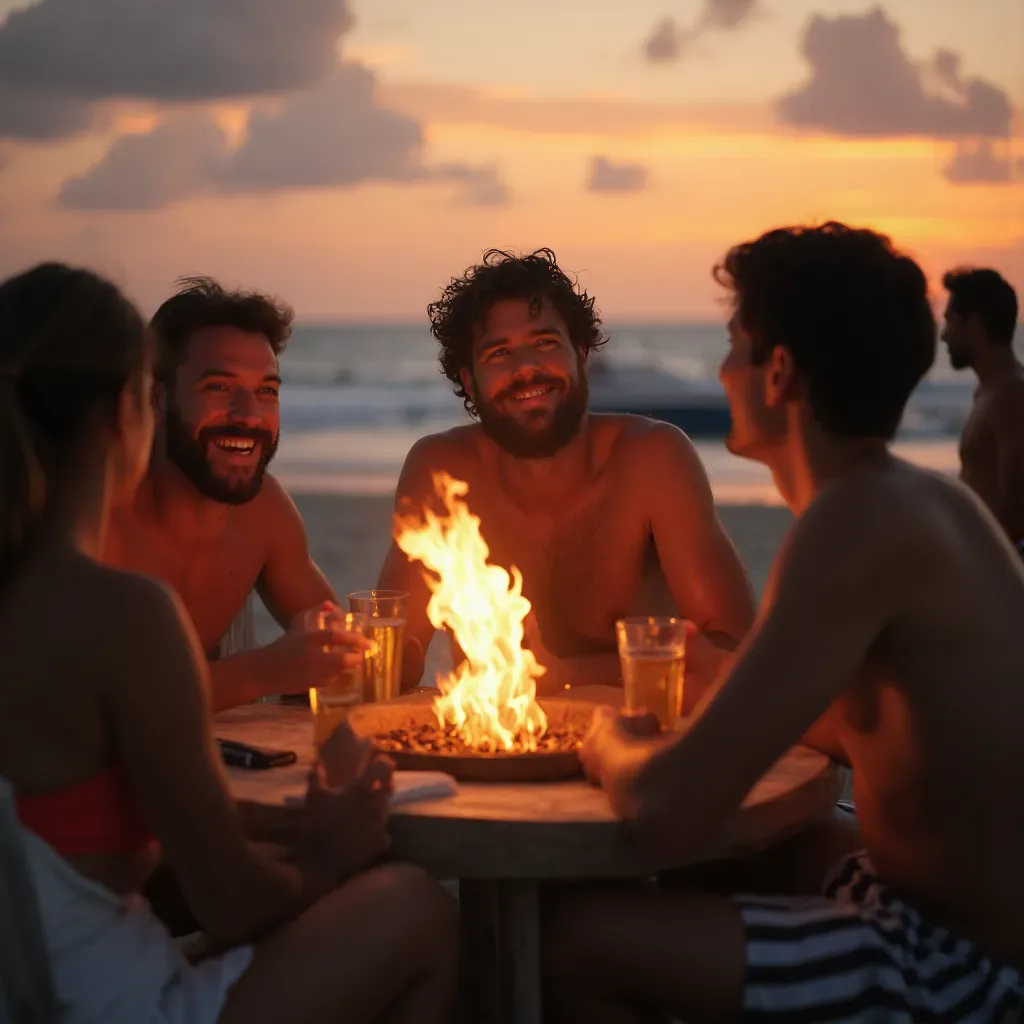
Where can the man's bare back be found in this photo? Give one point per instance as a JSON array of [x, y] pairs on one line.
[[583, 549], [931, 722], [992, 451]]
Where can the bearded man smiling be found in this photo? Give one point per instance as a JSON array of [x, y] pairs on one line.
[[209, 520]]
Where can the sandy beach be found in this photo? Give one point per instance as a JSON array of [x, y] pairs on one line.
[[349, 536]]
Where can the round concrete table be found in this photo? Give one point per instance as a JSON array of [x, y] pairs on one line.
[[502, 841]]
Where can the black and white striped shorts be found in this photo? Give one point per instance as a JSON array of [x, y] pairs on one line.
[[859, 953]]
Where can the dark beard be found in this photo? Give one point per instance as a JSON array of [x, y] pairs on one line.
[[959, 360], [523, 443], [188, 453]]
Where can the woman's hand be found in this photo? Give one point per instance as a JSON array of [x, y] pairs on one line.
[[345, 756], [345, 830]]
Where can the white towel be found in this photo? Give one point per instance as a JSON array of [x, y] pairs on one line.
[[110, 957], [410, 787]]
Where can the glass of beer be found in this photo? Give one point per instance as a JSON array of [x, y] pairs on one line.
[[652, 652], [330, 704], [386, 610]]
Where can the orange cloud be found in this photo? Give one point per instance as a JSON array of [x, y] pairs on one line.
[[584, 115]]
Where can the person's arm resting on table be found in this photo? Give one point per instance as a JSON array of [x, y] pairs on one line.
[[289, 584], [697, 557], [168, 751], [837, 588], [415, 490], [700, 562]]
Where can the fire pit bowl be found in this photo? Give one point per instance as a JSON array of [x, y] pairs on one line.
[[566, 718]]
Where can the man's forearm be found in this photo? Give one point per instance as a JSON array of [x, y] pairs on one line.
[[821, 736], [586, 670], [244, 678], [606, 669]]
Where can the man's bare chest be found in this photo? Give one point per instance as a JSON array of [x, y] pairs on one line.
[[581, 569]]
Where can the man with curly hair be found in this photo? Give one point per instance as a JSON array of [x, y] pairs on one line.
[[209, 520], [576, 500], [889, 638]]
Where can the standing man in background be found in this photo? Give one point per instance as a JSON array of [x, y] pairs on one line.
[[981, 317]]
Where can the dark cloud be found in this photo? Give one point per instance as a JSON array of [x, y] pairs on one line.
[[37, 118], [725, 15], [668, 40], [606, 176], [478, 186], [946, 65], [169, 49], [183, 157], [979, 163], [59, 57], [665, 43], [864, 83], [333, 135]]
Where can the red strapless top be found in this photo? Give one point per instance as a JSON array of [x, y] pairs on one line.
[[98, 816]]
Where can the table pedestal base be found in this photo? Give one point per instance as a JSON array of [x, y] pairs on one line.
[[519, 951], [500, 975]]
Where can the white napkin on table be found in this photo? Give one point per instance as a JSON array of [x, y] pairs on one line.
[[409, 787], [413, 786]]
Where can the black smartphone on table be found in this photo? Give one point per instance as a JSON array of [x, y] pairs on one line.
[[245, 755]]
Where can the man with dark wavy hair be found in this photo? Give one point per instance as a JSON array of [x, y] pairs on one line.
[[889, 638], [209, 520], [980, 320], [574, 499]]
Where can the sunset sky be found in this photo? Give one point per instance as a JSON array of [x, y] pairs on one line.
[[351, 155]]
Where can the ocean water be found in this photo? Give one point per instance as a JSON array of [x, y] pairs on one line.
[[355, 398]]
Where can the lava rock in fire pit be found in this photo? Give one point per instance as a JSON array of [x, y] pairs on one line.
[[428, 738], [408, 732]]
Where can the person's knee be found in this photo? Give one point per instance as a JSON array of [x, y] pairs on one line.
[[421, 911]]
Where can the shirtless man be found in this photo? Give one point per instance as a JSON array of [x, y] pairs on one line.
[[981, 317], [573, 499], [208, 519], [889, 638]]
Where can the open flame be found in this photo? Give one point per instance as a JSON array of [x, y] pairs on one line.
[[491, 697]]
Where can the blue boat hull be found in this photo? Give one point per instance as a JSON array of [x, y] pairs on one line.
[[700, 409], [695, 420]]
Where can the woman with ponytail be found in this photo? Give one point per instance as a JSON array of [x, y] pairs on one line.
[[108, 774]]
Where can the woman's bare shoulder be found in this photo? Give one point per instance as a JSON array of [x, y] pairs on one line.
[[117, 609]]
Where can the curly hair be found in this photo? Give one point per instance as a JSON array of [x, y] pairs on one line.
[[852, 310], [466, 301], [202, 302]]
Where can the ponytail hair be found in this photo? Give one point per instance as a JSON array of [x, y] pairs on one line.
[[69, 343], [22, 481]]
